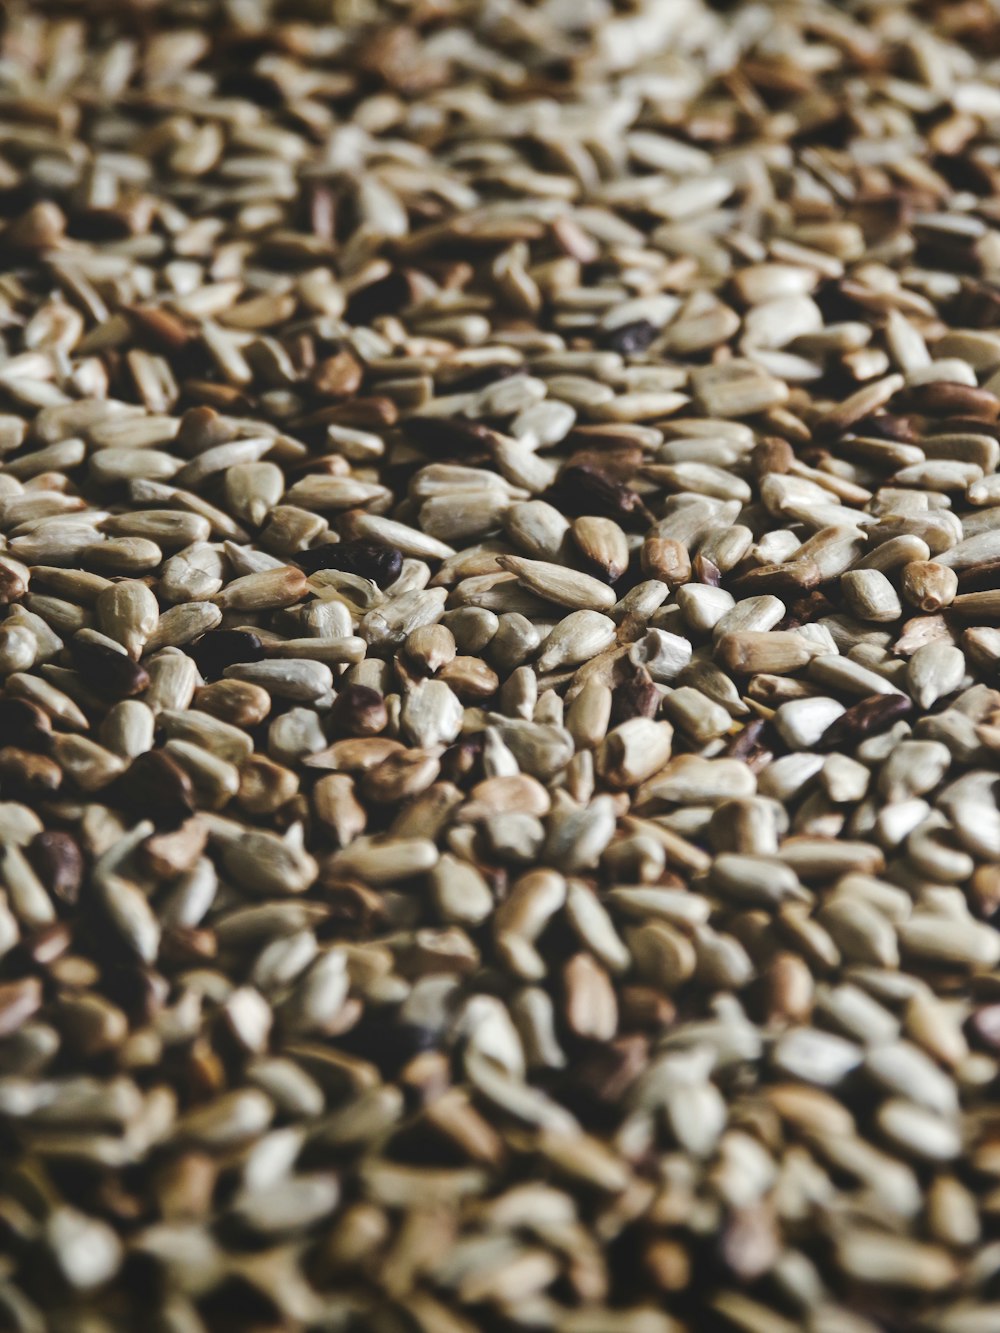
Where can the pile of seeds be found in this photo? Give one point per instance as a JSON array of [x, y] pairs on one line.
[[499, 726]]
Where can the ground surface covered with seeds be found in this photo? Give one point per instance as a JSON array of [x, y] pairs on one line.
[[499, 551]]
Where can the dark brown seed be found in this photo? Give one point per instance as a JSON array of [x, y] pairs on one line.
[[636, 696], [24, 724], [449, 436], [866, 718], [221, 648], [108, 673], [617, 461], [463, 761], [608, 1071], [977, 305], [156, 787], [57, 860], [796, 576], [462, 380], [803, 610], [984, 577], [381, 564], [889, 426], [359, 711], [749, 743], [582, 489]]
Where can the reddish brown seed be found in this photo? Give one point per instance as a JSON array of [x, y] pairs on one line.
[[359, 711]]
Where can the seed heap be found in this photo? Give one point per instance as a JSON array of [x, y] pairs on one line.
[[499, 722]]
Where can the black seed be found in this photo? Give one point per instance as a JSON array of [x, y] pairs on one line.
[[388, 1044], [221, 648], [383, 297], [381, 564], [107, 672], [633, 337]]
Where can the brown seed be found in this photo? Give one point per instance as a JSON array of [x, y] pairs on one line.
[[591, 1009], [19, 1000], [666, 559], [338, 376], [26, 774], [234, 701], [265, 786]]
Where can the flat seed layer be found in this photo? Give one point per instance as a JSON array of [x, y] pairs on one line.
[[499, 644]]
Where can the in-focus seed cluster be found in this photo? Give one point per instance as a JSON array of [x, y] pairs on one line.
[[499, 711]]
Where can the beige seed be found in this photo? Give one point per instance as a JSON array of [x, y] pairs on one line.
[[128, 612], [557, 583]]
